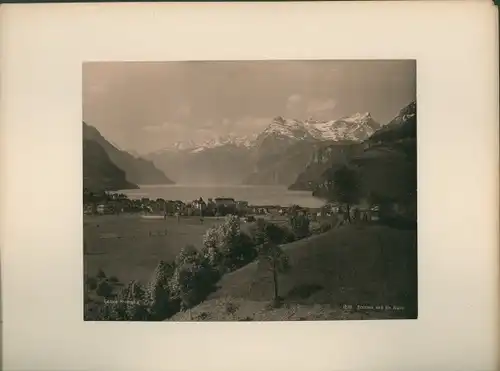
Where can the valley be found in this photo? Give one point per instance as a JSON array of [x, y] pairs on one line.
[[276, 156]]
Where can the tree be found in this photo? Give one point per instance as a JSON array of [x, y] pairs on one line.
[[130, 305], [104, 289], [346, 188], [211, 208], [226, 246], [300, 225], [87, 196], [188, 254], [158, 291], [193, 278], [100, 274], [270, 254], [212, 246], [294, 210], [136, 303], [183, 285], [269, 232]]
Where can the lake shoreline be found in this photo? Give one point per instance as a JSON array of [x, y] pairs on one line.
[[254, 195]]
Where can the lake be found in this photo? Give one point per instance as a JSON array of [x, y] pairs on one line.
[[256, 195]]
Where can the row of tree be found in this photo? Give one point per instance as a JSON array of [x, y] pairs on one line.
[[192, 276]]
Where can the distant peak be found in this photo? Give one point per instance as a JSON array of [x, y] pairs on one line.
[[362, 115], [178, 146], [359, 116], [280, 120]]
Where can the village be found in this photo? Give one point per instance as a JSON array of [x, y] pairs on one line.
[[118, 203]]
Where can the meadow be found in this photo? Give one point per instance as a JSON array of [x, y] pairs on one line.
[[349, 272], [129, 247]]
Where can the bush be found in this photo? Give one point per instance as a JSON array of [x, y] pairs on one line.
[[159, 297], [230, 308], [300, 226], [226, 247], [130, 305], [325, 227], [266, 231], [289, 236], [202, 316], [211, 250], [104, 289], [193, 278], [91, 283], [100, 274], [188, 254]]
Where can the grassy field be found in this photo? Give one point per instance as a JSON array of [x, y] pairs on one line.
[[130, 247], [352, 265]]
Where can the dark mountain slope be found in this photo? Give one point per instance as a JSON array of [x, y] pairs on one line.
[[99, 172], [137, 170]]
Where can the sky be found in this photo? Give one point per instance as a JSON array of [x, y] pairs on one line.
[[146, 106]]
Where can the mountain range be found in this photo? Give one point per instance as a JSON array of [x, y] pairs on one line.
[[108, 168], [276, 156], [294, 153]]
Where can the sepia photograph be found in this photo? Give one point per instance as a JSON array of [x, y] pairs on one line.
[[185, 182], [250, 190]]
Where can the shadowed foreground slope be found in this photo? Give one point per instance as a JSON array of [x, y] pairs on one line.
[[353, 265]]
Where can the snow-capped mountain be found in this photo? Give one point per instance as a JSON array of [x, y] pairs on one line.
[[178, 146], [227, 140], [357, 127], [285, 147], [274, 156], [288, 128], [191, 146]]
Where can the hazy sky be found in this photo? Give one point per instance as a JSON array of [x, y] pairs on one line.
[[145, 106]]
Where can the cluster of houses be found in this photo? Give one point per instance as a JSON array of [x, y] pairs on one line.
[[220, 206], [119, 203], [116, 204]]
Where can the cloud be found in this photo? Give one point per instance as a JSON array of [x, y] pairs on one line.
[[321, 109], [244, 126], [168, 126], [173, 131], [207, 125], [250, 125], [300, 107], [293, 101], [184, 111], [295, 106]]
